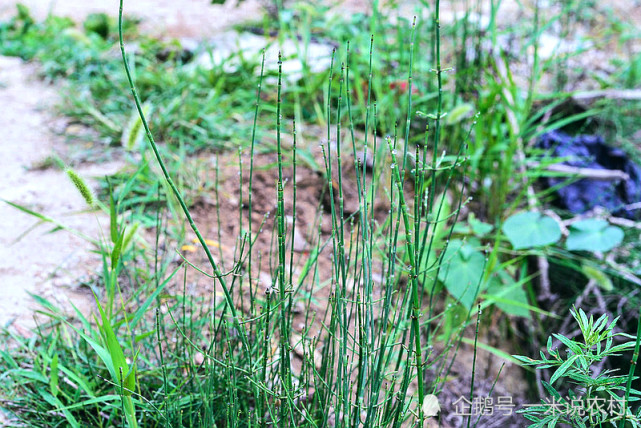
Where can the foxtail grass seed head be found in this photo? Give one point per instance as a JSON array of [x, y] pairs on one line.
[[133, 133], [81, 185]]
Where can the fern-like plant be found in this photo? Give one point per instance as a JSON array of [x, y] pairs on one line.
[[600, 398]]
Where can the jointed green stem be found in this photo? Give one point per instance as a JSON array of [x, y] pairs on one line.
[[251, 181], [416, 309], [285, 368], [217, 272]]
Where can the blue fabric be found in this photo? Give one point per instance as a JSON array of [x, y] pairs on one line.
[[589, 151]]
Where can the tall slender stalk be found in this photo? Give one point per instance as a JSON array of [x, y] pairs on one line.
[[251, 183], [284, 364], [476, 338], [413, 278], [236, 322], [262, 399], [408, 119], [172, 185], [290, 279]]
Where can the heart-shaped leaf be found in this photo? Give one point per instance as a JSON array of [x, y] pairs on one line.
[[478, 227], [593, 235], [531, 229], [462, 272]]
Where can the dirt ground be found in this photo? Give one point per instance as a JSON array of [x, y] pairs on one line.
[[39, 262], [311, 213]]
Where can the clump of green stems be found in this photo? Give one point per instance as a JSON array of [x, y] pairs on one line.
[[357, 362], [372, 349]]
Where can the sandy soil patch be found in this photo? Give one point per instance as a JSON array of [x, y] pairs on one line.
[[40, 262]]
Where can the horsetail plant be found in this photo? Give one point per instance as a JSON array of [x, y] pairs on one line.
[[217, 272], [363, 341], [284, 363]]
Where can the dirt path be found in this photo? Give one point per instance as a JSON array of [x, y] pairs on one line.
[[40, 262]]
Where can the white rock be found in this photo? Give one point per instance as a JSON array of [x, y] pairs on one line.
[[229, 48]]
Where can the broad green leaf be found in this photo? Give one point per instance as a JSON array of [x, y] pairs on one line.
[[462, 272], [510, 298], [479, 228], [593, 235], [531, 229]]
